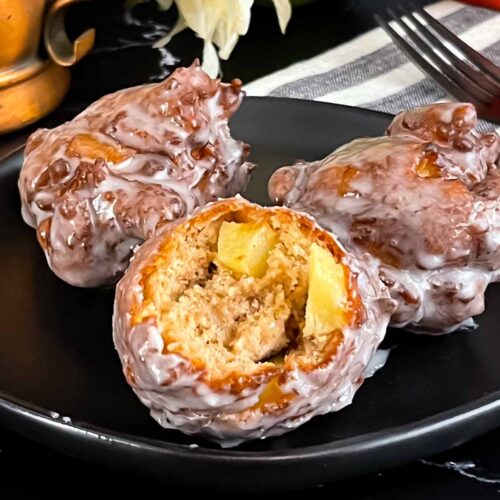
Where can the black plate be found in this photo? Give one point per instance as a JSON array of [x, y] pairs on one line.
[[61, 381]]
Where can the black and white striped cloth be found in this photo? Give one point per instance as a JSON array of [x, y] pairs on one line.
[[371, 72]]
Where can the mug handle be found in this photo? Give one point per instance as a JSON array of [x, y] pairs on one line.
[[60, 48]]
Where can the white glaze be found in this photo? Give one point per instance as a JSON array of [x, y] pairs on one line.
[[437, 239], [178, 398], [158, 129]]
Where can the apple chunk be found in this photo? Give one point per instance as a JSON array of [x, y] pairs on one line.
[[244, 247], [327, 293]]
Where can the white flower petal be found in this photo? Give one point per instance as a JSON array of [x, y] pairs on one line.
[[219, 23], [165, 4], [229, 44], [210, 60], [284, 11], [231, 26], [180, 25], [202, 16], [240, 12]]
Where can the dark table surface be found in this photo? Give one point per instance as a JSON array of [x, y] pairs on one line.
[[123, 57]]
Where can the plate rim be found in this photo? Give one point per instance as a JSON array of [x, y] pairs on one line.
[[446, 425], [460, 415]]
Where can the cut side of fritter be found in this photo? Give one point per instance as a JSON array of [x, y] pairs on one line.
[[244, 322]]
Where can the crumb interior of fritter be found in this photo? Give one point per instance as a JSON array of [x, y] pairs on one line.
[[231, 322]]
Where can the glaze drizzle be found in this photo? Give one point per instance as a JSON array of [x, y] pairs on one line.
[[423, 200], [135, 160]]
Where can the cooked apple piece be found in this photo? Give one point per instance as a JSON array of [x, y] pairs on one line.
[[428, 167], [327, 294], [244, 247], [87, 146]]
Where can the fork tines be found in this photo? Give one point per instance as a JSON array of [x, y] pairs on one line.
[[461, 71]]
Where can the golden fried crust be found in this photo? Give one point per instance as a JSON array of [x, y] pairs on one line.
[[266, 400], [134, 160], [420, 199]]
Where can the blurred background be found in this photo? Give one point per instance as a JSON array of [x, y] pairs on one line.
[[123, 55]]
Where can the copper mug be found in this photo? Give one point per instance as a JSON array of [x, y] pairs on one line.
[[31, 87]]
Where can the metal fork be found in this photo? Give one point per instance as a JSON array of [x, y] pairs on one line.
[[462, 72]]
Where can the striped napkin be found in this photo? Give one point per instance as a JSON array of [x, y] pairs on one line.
[[371, 72]]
